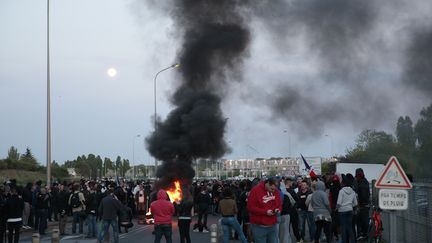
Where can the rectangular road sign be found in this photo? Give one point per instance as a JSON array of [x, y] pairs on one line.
[[393, 199]]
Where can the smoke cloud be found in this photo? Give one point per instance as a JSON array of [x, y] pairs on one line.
[[418, 63], [336, 62], [215, 41]]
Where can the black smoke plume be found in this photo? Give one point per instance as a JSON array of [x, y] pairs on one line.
[[215, 40], [418, 63]]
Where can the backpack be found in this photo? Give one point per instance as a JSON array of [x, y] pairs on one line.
[[75, 201]]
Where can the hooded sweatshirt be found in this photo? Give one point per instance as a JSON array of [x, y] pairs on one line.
[[259, 201], [162, 209], [320, 202], [347, 200]]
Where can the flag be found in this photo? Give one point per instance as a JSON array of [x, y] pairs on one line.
[[308, 167]]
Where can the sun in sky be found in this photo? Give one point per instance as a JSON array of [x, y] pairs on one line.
[[112, 72]]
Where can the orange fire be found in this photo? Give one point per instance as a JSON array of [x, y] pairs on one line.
[[175, 193]]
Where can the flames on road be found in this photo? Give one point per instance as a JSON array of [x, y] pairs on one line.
[[175, 193]]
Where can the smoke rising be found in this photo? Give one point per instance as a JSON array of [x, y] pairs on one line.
[[339, 62], [214, 44], [418, 63], [354, 48]]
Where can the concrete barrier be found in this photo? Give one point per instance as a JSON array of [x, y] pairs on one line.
[[35, 238], [213, 233], [55, 238]]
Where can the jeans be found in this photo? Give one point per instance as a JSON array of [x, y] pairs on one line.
[[165, 230], [306, 216], [14, 231], [184, 229], [91, 225], [77, 219], [284, 229], [104, 227], [42, 215], [227, 224], [263, 234], [346, 219]]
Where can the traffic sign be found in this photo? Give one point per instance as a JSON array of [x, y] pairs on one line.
[[393, 199], [393, 176]]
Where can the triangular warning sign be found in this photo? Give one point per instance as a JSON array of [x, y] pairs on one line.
[[393, 176]]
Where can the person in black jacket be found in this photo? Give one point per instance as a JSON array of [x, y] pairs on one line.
[[203, 202], [61, 200], [91, 209], [42, 205], [3, 217], [14, 209], [27, 197], [185, 215], [294, 218], [361, 187]]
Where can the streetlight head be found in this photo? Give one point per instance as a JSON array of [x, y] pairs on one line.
[[175, 65]]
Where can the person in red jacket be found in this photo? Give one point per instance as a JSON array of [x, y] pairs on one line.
[[264, 205], [162, 210]]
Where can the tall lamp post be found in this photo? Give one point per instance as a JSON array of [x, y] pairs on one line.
[[48, 145], [133, 153], [175, 65]]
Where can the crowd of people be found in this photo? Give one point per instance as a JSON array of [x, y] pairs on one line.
[[270, 210]]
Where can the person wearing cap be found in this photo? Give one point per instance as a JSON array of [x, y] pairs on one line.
[[263, 205]]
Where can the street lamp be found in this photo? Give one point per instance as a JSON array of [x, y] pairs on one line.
[[175, 65], [48, 135], [133, 153]]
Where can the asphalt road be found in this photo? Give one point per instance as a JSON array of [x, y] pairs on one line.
[[138, 234]]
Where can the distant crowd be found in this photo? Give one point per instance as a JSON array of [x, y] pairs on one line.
[[272, 209]]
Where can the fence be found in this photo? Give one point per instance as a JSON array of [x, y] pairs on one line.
[[415, 223]]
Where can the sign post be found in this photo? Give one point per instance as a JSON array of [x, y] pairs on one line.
[[393, 194]]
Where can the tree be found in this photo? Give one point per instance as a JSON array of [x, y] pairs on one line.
[[423, 131], [107, 165], [373, 147], [125, 167], [28, 161], [118, 164], [405, 133], [13, 154]]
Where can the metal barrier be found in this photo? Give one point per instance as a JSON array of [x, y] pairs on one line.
[[415, 223]]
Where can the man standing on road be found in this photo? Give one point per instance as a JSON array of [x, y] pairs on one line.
[[61, 200], [77, 203], [264, 204], [108, 209], [162, 210]]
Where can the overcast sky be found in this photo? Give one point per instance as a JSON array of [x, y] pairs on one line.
[[94, 113]]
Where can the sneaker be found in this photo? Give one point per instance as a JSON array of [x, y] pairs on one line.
[[195, 230], [205, 231], [361, 238]]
